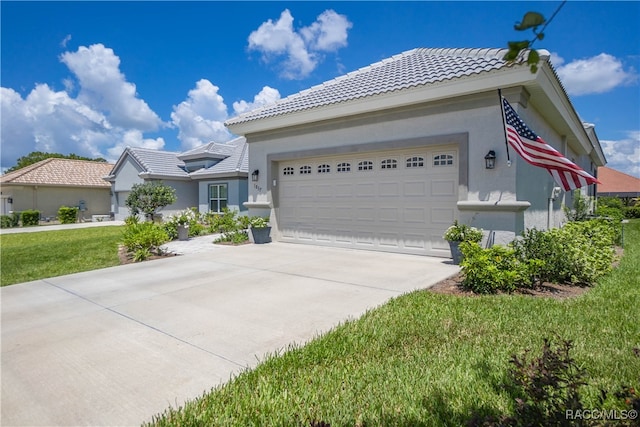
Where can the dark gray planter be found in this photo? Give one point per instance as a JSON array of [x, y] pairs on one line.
[[261, 235], [183, 232], [455, 252]]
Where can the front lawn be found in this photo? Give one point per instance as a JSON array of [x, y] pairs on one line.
[[31, 256], [427, 359]]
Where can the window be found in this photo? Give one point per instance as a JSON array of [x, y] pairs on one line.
[[324, 168], [217, 197], [344, 167], [305, 170], [443, 160], [415, 162], [389, 164], [365, 165], [287, 171]]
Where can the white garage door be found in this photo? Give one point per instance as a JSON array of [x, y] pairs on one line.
[[396, 201]]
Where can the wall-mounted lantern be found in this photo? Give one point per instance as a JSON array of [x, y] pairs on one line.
[[490, 160], [255, 175]]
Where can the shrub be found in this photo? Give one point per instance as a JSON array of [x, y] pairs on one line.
[[148, 198], [30, 217], [462, 233], [581, 207], [9, 221], [544, 387], [578, 253], [632, 212], [67, 215], [494, 269], [144, 238]]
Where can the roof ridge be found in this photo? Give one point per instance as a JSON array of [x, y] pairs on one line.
[[25, 170]]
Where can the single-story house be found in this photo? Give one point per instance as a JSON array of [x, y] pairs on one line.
[[617, 184], [210, 177], [388, 156], [51, 183]]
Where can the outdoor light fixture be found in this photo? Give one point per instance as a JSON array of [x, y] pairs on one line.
[[490, 160], [254, 175]]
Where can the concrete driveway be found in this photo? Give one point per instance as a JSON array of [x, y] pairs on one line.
[[118, 345]]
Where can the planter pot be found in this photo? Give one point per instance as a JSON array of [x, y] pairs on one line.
[[455, 252], [261, 235], [183, 232]]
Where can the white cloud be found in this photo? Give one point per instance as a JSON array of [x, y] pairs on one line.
[[105, 117], [328, 33], [300, 49], [104, 87], [624, 154], [200, 118], [66, 40], [597, 74], [266, 96]]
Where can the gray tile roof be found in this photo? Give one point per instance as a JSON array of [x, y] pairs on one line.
[[237, 161], [417, 67], [164, 163], [212, 149]]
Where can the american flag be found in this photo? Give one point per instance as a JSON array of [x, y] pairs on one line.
[[535, 151]]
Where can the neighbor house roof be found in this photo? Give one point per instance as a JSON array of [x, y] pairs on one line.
[[236, 162], [60, 172], [616, 183], [157, 164], [417, 67]]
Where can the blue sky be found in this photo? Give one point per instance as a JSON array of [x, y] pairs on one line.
[[91, 78]]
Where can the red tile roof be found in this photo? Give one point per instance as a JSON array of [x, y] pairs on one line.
[[616, 182], [61, 172]]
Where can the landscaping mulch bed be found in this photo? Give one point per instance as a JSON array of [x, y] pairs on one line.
[[453, 286], [125, 258]]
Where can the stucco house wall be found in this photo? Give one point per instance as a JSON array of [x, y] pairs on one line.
[[436, 98], [48, 199]]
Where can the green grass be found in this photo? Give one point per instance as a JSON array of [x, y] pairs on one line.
[[31, 256], [427, 359]]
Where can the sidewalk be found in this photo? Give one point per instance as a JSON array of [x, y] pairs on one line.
[[37, 228]]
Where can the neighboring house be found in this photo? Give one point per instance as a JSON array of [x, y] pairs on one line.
[[618, 184], [386, 157], [51, 183], [210, 177]]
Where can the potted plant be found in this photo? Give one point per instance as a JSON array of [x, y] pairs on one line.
[[458, 233], [182, 221], [260, 229]]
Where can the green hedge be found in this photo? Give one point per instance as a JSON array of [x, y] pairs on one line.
[[67, 215], [579, 253], [30, 217], [9, 221]]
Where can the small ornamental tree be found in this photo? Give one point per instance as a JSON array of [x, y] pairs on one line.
[[149, 198]]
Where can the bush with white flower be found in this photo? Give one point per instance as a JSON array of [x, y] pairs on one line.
[[462, 233]]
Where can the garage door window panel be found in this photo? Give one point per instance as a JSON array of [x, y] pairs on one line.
[[389, 164], [324, 168], [365, 165], [443, 160], [344, 167], [415, 162]]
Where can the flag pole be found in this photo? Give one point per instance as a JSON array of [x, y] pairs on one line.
[[504, 126]]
